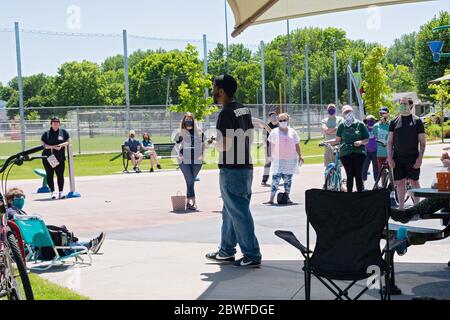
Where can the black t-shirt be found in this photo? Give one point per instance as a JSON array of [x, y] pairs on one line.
[[406, 135], [235, 123], [53, 138], [193, 147]]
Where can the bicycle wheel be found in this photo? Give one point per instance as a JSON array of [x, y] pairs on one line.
[[331, 181], [18, 281]]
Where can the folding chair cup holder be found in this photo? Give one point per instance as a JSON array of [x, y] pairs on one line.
[[349, 228], [36, 235]]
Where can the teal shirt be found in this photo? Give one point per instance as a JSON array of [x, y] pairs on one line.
[[349, 135], [381, 132]]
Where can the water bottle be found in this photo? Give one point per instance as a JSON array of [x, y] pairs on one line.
[[402, 234]]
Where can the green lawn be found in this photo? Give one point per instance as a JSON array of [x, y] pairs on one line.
[[100, 164], [45, 290]]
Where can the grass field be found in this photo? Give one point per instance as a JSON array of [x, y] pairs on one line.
[[100, 164], [45, 290]]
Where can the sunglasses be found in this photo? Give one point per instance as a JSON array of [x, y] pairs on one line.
[[283, 120]]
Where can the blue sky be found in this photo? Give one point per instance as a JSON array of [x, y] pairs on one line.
[[179, 19]]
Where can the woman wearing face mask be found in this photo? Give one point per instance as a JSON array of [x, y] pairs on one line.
[[354, 135], [285, 157], [381, 132], [15, 201], [55, 141], [329, 128], [190, 147], [149, 151], [371, 149]]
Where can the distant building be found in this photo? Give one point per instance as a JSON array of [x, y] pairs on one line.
[[421, 107]]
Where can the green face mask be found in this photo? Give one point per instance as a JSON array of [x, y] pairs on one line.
[[404, 108]]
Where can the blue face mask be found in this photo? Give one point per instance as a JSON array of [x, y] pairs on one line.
[[18, 203]]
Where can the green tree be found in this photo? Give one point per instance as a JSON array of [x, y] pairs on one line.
[[192, 89], [402, 51], [376, 87], [400, 78], [80, 84], [425, 69]]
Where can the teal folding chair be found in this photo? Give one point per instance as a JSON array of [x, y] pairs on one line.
[[36, 235]]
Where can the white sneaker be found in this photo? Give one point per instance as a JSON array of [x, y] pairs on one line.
[[54, 195], [61, 195]]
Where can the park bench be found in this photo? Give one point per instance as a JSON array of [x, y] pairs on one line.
[[164, 151]]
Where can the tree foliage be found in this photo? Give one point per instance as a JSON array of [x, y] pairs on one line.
[[376, 87]]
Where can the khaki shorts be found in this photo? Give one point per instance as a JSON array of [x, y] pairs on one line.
[[328, 157]]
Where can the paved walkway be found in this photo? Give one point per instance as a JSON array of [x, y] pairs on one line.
[[153, 253]]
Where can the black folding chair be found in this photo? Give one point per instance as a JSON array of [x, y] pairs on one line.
[[349, 228]]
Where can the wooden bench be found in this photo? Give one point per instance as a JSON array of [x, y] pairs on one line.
[[164, 150]]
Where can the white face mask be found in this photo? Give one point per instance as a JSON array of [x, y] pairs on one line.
[[349, 119], [284, 124]]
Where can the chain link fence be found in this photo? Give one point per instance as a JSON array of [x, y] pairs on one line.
[[103, 129]]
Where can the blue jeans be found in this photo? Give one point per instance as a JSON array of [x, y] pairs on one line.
[[190, 172], [371, 157], [237, 221]]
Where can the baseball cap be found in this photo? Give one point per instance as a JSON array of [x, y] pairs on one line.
[[346, 108], [54, 119], [384, 110]]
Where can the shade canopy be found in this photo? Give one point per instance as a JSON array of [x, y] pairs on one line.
[[249, 12], [446, 77]]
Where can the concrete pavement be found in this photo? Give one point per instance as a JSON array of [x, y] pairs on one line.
[[153, 253]]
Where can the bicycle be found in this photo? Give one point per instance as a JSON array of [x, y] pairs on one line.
[[385, 180], [333, 178], [14, 281]]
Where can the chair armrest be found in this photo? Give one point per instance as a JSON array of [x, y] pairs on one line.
[[290, 238], [395, 244]]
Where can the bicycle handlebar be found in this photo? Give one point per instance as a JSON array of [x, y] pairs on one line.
[[23, 156]]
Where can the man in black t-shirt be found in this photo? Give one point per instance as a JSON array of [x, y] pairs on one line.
[[235, 132], [406, 133], [273, 123], [55, 142]]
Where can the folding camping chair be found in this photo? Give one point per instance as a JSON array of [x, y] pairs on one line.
[[36, 236], [349, 228]]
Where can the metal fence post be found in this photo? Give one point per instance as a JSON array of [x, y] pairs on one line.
[[78, 130], [205, 71], [20, 84], [127, 85]]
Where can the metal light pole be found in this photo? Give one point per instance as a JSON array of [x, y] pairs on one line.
[[307, 92], [289, 62], [226, 34], [263, 81], [205, 60], [284, 79], [335, 81], [20, 85], [127, 84], [321, 92]]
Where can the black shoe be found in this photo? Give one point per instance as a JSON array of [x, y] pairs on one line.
[[214, 256], [265, 184], [97, 243], [269, 203], [158, 166], [192, 207], [245, 262], [151, 170]]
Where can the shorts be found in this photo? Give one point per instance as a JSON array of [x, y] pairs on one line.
[[404, 168]]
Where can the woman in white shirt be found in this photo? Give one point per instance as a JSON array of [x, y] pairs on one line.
[[285, 156]]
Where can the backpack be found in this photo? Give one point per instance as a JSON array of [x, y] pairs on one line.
[[61, 237], [282, 198]]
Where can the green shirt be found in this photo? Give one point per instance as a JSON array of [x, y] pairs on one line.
[[349, 135], [381, 132], [331, 123]]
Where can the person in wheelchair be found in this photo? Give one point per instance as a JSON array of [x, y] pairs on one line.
[[426, 206], [15, 200]]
